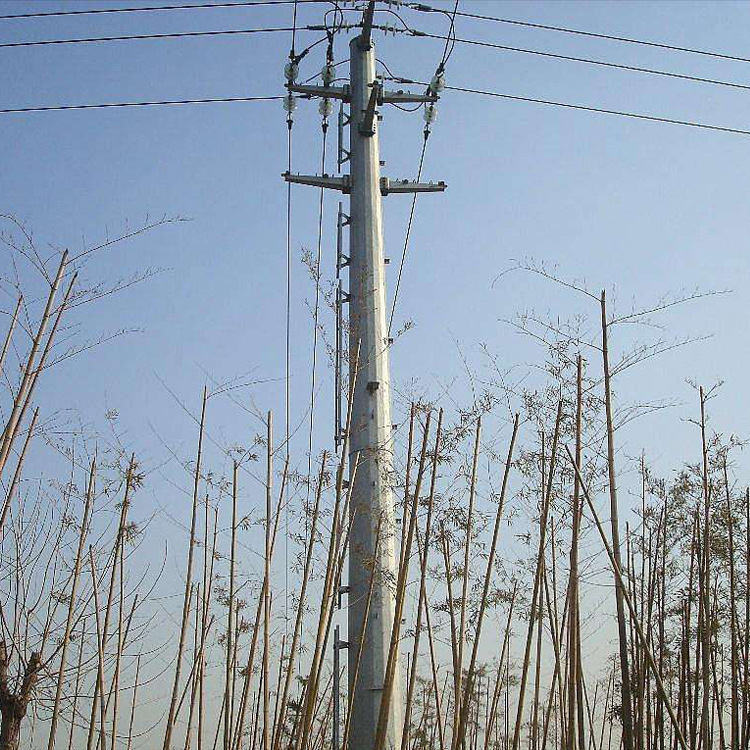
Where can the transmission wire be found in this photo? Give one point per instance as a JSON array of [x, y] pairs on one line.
[[599, 110], [316, 313], [591, 61], [150, 8], [450, 36], [158, 103], [141, 37], [287, 368], [593, 34], [408, 234]]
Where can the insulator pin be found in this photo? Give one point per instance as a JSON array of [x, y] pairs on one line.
[[290, 104], [328, 73], [325, 108], [291, 69], [437, 84]]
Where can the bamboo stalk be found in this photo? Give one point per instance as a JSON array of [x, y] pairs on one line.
[[267, 589], [71, 605], [98, 700], [9, 335], [734, 660], [77, 689], [230, 617], [433, 670], [465, 586], [19, 468], [627, 718], [390, 669], [626, 597], [533, 612], [500, 668], [134, 702], [300, 608], [258, 615], [172, 713], [459, 735], [11, 426], [422, 585]]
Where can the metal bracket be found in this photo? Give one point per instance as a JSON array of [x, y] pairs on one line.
[[367, 126], [323, 181], [327, 92], [408, 186], [343, 154], [406, 97], [342, 260]]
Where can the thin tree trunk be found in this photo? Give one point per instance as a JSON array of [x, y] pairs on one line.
[[627, 702]]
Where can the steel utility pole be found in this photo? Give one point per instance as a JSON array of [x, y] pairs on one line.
[[370, 441]]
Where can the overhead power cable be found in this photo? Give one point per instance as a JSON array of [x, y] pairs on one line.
[[591, 61], [495, 94], [162, 103], [450, 43], [154, 8], [600, 110], [405, 249], [591, 34], [288, 322], [130, 37]]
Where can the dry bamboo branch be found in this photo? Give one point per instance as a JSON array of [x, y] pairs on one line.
[[458, 738], [618, 574], [171, 716], [71, 605]]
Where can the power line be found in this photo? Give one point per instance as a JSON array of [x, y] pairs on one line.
[[287, 362], [599, 110], [450, 41], [153, 8], [162, 103], [407, 237], [129, 37], [591, 61], [495, 94], [592, 34]]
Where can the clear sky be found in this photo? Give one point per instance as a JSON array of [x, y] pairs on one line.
[[649, 208], [641, 208]]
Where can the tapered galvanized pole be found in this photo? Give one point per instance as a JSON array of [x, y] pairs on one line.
[[369, 436], [371, 416]]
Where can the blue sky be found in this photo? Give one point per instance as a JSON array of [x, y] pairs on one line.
[[640, 208]]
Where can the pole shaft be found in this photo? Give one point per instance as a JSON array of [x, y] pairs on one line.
[[371, 422]]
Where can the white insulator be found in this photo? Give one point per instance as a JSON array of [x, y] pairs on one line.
[[430, 114], [289, 104], [328, 73], [325, 107], [437, 84], [290, 72]]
